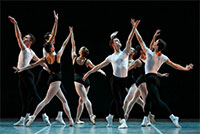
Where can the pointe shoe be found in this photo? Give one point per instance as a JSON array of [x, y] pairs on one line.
[[109, 119], [152, 118], [92, 119], [21, 122], [71, 122], [175, 121], [30, 120]]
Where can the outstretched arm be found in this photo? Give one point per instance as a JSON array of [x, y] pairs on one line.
[[55, 27], [163, 75], [140, 40], [60, 52], [130, 37], [179, 67], [73, 51], [39, 62], [91, 65], [17, 33], [95, 68], [157, 33]]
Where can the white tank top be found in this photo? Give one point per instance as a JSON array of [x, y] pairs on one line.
[[25, 57], [154, 62], [119, 63]]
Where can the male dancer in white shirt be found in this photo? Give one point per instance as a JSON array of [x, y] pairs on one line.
[[154, 60], [26, 83], [119, 61]]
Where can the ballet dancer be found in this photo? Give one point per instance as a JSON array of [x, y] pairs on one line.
[[119, 61], [42, 81], [81, 64], [27, 88], [154, 60]]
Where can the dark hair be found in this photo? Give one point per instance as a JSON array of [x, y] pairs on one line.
[[46, 36], [32, 38], [85, 51], [161, 45], [137, 52], [47, 46]]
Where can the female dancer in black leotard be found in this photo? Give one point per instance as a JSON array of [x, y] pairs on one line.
[[81, 64]]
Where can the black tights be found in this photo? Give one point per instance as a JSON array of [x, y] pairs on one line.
[[28, 92], [153, 83], [118, 92]]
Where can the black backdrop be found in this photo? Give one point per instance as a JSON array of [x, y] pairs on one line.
[[93, 22]]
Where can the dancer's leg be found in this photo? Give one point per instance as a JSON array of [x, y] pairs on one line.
[[66, 108], [81, 91], [53, 89], [80, 108]]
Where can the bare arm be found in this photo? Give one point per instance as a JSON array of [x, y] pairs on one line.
[[179, 67], [163, 75], [140, 40], [136, 63], [157, 33], [17, 33], [73, 51], [91, 65], [95, 68], [55, 27], [130, 37], [60, 52], [35, 58], [29, 66]]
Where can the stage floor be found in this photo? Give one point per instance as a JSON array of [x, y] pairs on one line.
[[161, 127]]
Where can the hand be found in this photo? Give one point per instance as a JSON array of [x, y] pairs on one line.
[[157, 33], [166, 75], [103, 73], [85, 76], [132, 21], [189, 67], [70, 29], [16, 69], [55, 15], [12, 20], [113, 34], [137, 23]]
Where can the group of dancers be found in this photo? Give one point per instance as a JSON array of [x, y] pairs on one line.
[[142, 89]]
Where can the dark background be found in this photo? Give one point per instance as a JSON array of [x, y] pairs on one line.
[[93, 23]]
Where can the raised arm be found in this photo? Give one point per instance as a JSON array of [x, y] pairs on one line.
[[140, 40], [17, 33], [95, 68], [55, 27], [130, 37], [91, 65], [60, 52], [73, 51], [157, 33], [39, 62], [179, 67]]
